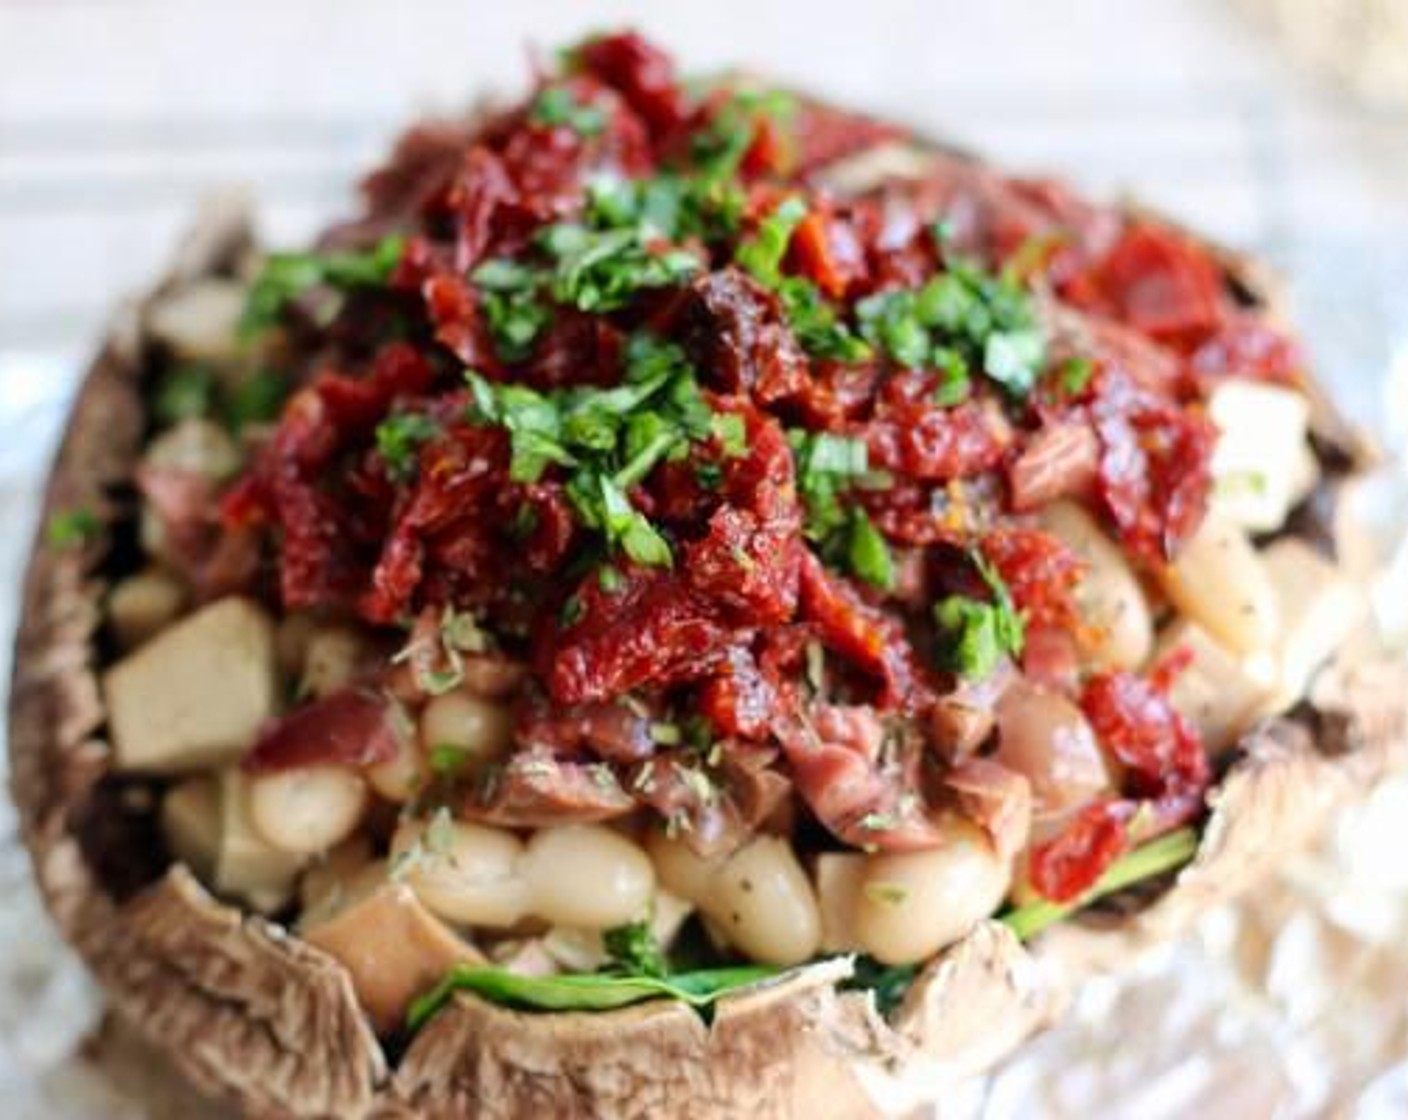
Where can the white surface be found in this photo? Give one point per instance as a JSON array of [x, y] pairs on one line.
[[116, 114]]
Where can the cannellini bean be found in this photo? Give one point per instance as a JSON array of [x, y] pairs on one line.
[[464, 872], [332, 658], [190, 821], [331, 883], [291, 642], [912, 904], [761, 899], [838, 880], [197, 446], [1110, 599], [143, 604], [1045, 737], [681, 871], [1220, 693], [308, 809], [402, 776], [587, 876], [1220, 583], [480, 727], [1320, 608]]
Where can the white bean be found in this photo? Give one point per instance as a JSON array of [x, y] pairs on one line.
[[332, 658], [402, 776], [480, 727], [143, 604], [765, 905], [587, 876], [1045, 737], [912, 904], [199, 447], [681, 871], [1220, 583], [308, 809], [838, 880], [1111, 602], [464, 872]]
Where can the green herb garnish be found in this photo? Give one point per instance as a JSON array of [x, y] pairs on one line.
[[867, 552], [556, 105], [286, 276], [978, 634], [447, 759], [515, 306], [987, 321], [398, 439], [70, 528], [610, 439], [634, 951], [602, 270]]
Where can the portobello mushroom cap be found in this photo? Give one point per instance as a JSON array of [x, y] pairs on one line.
[[256, 1017]]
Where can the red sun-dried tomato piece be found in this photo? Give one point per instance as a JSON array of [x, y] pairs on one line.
[[1066, 866], [1161, 755]]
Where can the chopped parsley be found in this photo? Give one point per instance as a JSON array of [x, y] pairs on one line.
[[814, 321], [1073, 376], [977, 633], [70, 528], [634, 950], [828, 464], [610, 439], [987, 321], [717, 149], [447, 759], [556, 105], [761, 255], [398, 439], [601, 270], [514, 306], [286, 276], [867, 553]]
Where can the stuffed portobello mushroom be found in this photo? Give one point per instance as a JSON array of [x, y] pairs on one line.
[[695, 601]]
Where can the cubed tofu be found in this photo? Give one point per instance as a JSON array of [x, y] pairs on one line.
[[1220, 692], [193, 697], [392, 946], [838, 880], [190, 821], [1262, 465], [247, 866], [1320, 607]]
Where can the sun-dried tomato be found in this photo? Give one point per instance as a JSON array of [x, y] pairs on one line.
[[1155, 471], [1040, 571], [1161, 757], [1066, 866]]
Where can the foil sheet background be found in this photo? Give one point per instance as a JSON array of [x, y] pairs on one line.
[[115, 115]]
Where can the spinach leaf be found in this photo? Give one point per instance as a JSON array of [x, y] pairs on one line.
[[583, 991]]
